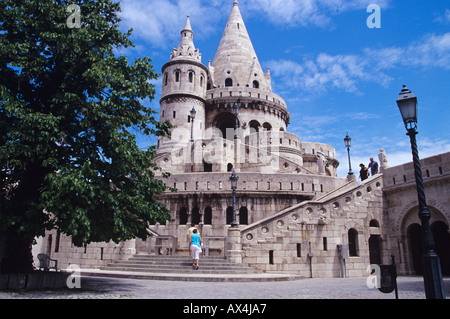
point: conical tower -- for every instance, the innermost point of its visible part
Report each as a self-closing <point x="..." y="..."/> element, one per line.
<point x="236" y="76"/>
<point x="183" y="89"/>
<point x="235" y="62"/>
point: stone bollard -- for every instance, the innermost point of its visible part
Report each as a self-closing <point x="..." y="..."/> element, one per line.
<point x="234" y="247"/>
<point x="128" y="249"/>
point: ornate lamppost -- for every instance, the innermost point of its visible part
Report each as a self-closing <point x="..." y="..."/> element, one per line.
<point x="234" y="180"/>
<point x="193" y="113"/>
<point x="432" y="274"/>
<point x="348" y="144"/>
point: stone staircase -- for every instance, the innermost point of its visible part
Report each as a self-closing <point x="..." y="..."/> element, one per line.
<point x="179" y="268"/>
<point x="179" y="264"/>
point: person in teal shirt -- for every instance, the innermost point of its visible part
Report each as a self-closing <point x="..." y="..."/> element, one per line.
<point x="195" y="247"/>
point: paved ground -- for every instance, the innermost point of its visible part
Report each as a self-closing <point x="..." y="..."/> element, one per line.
<point x="337" y="288"/>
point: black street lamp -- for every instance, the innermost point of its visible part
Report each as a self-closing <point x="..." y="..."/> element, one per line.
<point x="234" y="179"/>
<point x="236" y="114"/>
<point x="348" y="143"/>
<point x="432" y="275"/>
<point x="193" y="113"/>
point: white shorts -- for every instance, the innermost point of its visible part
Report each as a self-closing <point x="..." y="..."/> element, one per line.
<point x="195" y="251"/>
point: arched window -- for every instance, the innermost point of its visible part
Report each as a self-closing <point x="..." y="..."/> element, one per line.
<point x="243" y="216"/>
<point x="207" y="217"/>
<point x="374" y="223"/>
<point x="228" y="82"/>
<point x="191" y="77"/>
<point x="177" y="76"/>
<point x="229" y="167"/>
<point x="201" y="81"/>
<point x="353" y="242"/>
<point x="255" y="84"/>
<point x="165" y="79"/>
<point x="229" y="215"/>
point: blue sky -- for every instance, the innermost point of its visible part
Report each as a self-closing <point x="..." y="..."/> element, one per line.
<point x="336" y="74"/>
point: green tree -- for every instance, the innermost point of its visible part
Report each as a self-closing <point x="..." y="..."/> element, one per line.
<point x="69" y="105"/>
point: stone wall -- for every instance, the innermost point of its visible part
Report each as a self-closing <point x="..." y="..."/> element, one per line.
<point x="403" y="207"/>
<point x="284" y="242"/>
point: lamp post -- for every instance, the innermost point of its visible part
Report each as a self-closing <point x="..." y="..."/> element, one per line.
<point x="193" y="113"/>
<point x="432" y="275"/>
<point x="234" y="179"/>
<point x="236" y="114"/>
<point x="348" y="143"/>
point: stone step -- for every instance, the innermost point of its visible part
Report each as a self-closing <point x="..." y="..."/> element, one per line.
<point x="180" y="267"/>
<point x="178" y="264"/>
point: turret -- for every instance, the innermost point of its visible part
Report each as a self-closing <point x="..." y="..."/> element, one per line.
<point x="183" y="88"/>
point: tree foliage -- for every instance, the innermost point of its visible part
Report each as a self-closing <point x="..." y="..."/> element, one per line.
<point x="69" y="107"/>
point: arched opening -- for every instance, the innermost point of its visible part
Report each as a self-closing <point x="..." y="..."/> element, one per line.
<point x="191" y="77"/>
<point x="228" y="82"/>
<point x="353" y="242"/>
<point x="267" y="127"/>
<point x="207" y="216"/>
<point x="229" y="218"/>
<point x="374" y="223"/>
<point x="226" y="123"/>
<point x="207" y="167"/>
<point x="375" y="249"/>
<point x="195" y="216"/>
<point x="243" y="216"/>
<point x="255" y="84"/>
<point x="415" y="247"/>
<point x="254" y="126"/>
<point x="229" y="167"/>
<point x="441" y="237"/>
<point x="183" y="216"/>
<point x="177" y="76"/>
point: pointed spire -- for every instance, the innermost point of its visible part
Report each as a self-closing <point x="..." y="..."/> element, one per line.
<point x="186" y="48"/>
<point x="236" y="50"/>
<point x="187" y="26"/>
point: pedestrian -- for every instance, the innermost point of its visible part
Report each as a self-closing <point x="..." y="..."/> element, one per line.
<point x="364" y="172"/>
<point x="189" y="233"/>
<point x="195" y="247"/>
<point x="373" y="165"/>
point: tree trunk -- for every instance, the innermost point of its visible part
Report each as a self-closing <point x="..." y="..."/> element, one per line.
<point x="17" y="256"/>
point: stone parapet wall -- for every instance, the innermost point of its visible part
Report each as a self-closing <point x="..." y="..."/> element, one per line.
<point x="283" y="242"/>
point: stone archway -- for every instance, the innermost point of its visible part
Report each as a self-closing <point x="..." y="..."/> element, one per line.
<point x="226" y="123"/>
<point x="415" y="249"/>
<point x="375" y="249"/>
<point x="441" y="235"/>
<point x="411" y="230"/>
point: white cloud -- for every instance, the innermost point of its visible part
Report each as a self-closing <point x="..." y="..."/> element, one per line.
<point x="346" y="71"/>
<point x="159" y="22"/>
<point x="430" y="51"/>
<point x="292" y="13"/>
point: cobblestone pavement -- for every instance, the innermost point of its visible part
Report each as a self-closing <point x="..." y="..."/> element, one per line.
<point x="335" y="288"/>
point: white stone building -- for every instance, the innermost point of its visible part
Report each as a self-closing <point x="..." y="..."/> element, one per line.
<point x="292" y="209"/>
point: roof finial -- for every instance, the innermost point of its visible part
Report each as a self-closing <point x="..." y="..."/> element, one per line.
<point x="235" y="3"/>
<point x="187" y="26"/>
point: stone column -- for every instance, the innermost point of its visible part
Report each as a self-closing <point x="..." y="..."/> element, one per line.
<point x="234" y="246"/>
